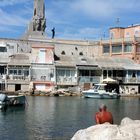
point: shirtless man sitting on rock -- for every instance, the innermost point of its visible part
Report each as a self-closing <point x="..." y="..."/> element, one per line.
<point x="103" y="115"/>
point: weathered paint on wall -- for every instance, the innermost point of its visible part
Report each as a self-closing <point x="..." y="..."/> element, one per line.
<point x="42" y="54"/>
<point x="43" y="87"/>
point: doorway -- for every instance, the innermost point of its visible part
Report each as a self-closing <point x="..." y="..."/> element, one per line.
<point x="139" y="89"/>
<point x="17" y="87"/>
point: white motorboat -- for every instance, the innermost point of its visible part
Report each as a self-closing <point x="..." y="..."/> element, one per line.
<point x="102" y="91"/>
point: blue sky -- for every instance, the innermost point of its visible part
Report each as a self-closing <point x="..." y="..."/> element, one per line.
<point x="73" y="19"/>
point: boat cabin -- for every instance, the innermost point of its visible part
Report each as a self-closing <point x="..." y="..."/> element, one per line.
<point x="109" y="87"/>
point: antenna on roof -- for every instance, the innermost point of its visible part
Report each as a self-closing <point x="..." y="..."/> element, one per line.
<point x="118" y="21"/>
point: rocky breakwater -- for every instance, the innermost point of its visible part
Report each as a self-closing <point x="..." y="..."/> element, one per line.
<point x="128" y="130"/>
<point x="58" y="92"/>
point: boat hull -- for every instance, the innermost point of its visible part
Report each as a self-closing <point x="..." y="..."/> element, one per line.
<point x="13" y="100"/>
<point x="101" y="96"/>
<point x="16" y="100"/>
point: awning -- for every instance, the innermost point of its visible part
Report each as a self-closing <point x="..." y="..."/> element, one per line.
<point x="109" y="80"/>
<point x="88" y="68"/>
<point x="111" y="68"/>
<point x="3" y="64"/>
<point x="132" y="67"/>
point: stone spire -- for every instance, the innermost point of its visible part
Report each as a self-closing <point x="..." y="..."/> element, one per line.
<point x="37" y="26"/>
<point x="39" y="21"/>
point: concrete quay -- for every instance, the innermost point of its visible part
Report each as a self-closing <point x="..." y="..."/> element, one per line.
<point x="130" y="95"/>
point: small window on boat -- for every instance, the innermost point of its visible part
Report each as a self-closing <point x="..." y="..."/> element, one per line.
<point x="102" y="88"/>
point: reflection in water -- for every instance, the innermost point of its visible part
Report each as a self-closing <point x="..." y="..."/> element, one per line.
<point x="59" y="117"/>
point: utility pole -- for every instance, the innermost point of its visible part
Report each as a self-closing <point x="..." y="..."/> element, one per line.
<point x="118" y="22"/>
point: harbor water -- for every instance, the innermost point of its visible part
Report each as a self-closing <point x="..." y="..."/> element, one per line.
<point x="58" y="118"/>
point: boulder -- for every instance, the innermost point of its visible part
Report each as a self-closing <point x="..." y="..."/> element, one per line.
<point x="128" y="130"/>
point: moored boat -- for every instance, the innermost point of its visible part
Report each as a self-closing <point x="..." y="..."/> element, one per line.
<point x="16" y="100"/>
<point x="102" y="91"/>
<point x="12" y="100"/>
<point x="3" y="101"/>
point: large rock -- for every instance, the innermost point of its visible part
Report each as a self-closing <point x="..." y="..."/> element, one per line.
<point x="128" y="130"/>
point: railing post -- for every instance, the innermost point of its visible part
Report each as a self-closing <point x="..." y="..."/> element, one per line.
<point x="127" y="76"/>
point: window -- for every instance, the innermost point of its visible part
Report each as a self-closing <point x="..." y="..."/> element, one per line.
<point x="136" y="33"/>
<point x="63" y="52"/>
<point x="19" y="72"/>
<point x="11" y="71"/>
<point x="81" y="53"/>
<point x="67" y="73"/>
<point x="116" y="48"/>
<point x="15" y="72"/>
<point x="127" y="34"/>
<point x="26" y="72"/>
<point x="3" y="49"/>
<point x="133" y="75"/>
<point x="43" y="78"/>
<point x="128" y="48"/>
<point x="42" y="56"/>
<point x="106" y="49"/>
<point x="111" y="35"/>
<point x="101" y="87"/>
<point x="138" y="48"/>
<point x="76" y="48"/>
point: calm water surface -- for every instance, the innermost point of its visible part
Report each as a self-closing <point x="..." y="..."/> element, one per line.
<point x="49" y="118"/>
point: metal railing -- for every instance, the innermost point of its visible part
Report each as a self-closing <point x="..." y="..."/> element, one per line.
<point x="126" y="79"/>
<point x="18" y="77"/>
<point x="66" y="80"/>
<point x="89" y="79"/>
<point x="42" y="78"/>
<point x="69" y="80"/>
<point x="132" y="80"/>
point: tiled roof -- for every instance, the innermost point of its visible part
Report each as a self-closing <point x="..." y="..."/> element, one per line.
<point x="101" y="62"/>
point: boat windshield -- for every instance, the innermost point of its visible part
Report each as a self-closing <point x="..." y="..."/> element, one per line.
<point x="96" y="86"/>
<point x="99" y="87"/>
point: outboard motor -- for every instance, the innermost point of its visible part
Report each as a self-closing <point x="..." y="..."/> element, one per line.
<point x="3" y="97"/>
<point x="3" y="101"/>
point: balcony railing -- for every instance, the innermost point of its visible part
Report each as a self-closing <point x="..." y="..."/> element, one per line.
<point x="66" y="80"/>
<point x="89" y="79"/>
<point x="98" y="79"/>
<point x="119" y="40"/>
<point x="18" y="78"/>
<point x="126" y="79"/>
<point x="42" y="78"/>
<point x="132" y="80"/>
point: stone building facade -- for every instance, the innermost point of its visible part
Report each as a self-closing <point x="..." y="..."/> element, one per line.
<point x="36" y="62"/>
